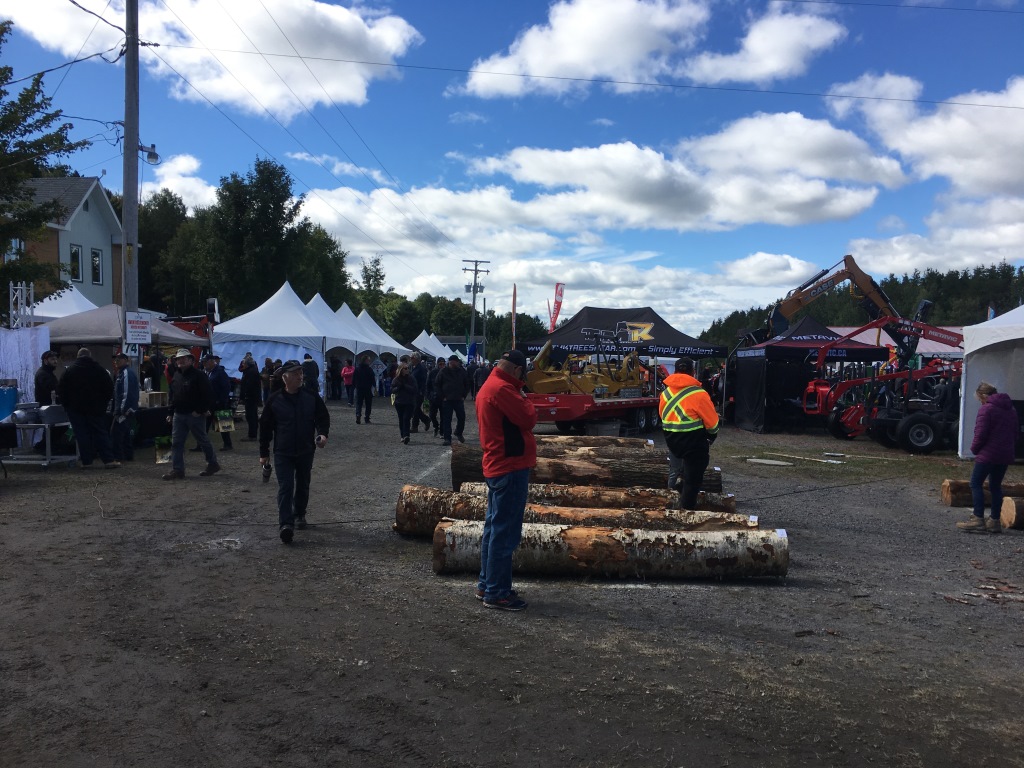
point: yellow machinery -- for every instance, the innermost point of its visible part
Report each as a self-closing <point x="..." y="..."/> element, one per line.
<point x="579" y="375"/>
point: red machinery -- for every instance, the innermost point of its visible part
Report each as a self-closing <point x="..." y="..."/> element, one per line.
<point x="904" y="407"/>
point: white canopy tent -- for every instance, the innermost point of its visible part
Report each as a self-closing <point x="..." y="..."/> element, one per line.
<point x="280" y="329"/>
<point x="387" y="344"/>
<point x="69" y="302"/>
<point x="448" y="351"/>
<point x="429" y="345"/>
<point x="339" y="333"/>
<point x="993" y="352"/>
<point x="103" y="325"/>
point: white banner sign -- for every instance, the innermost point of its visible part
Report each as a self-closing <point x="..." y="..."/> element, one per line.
<point x="138" y="328"/>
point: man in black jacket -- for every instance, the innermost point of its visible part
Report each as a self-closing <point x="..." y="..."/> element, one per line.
<point x="191" y="401"/>
<point x="250" y="391"/>
<point x="364" y="380"/>
<point x="296" y="419"/>
<point x="46" y="379"/>
<point x="419" y="375"/>
<point x="453" y="385"/>
<point x="85" y="390"/>
<point x="220" y="383"/>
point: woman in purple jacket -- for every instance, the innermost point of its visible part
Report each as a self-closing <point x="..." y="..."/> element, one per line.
<point x="995" y="438"/>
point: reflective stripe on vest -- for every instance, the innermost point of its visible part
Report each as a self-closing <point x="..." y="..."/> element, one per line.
<point x="673" y="417"/>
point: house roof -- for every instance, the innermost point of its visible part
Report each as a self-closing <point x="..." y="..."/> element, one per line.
<point x="70" y="192"/>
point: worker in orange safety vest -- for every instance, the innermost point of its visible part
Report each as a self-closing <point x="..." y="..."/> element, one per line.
<point x="690" y="424"/>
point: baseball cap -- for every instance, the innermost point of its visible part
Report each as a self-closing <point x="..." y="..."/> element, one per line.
<point x="121" y="355"/>
<point x="515" y="357"/>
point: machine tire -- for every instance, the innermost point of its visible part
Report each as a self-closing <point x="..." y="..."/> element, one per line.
<point x="919" y="433"/>
<point x="654" y="419"/>
<point x="885" y="434"/>
<point x="640" y="420"/>
<point x="563" y="427"/>
<point x="834" y="425"/>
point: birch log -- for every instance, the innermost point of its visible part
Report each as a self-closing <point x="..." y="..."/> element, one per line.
<point x="608" y="466"/>
<point x="595" y="441"/>
<point x="560" y="550"/>
<point x="957" y="493"/>
<point x="420" y="508"/>
<point x="1012" y="512"/>
<point x="600" y="497"/>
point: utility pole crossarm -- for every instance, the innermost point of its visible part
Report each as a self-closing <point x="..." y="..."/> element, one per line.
<point x="475" y="289"/>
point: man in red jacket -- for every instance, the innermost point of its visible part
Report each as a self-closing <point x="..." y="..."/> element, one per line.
<point x="506" y="420"/>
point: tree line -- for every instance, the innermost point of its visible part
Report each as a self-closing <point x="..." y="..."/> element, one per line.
<point x="958" y="297"/>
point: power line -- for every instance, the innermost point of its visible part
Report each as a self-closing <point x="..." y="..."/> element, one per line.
<point x="82" y="48"/>
<point x="611" y="81"/>
<point x="93" y="13"/>
<point x="909" y="7"/>
<point x="69" y="64"/>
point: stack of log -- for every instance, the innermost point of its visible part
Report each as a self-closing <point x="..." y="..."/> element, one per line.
<point x="957" y="493"/>
<point x="613" y="520"/>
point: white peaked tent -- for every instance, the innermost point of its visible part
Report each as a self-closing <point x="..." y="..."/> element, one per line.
<point x="69" y="302"/>
<point x="447" y="351"/>
<point x="387" y="344"/>
<point x="280" y="328"/>
<point x="339" y="333"/>
<point x="993" y="352"/>
<point x="429" y="345"/>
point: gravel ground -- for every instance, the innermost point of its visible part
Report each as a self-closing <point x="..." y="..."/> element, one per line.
<point x="151" y="624"/>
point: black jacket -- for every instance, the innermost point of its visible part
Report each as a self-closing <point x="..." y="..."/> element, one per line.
<point x="191" y="391"/>
<point x="293" y="422"/>
<point x="252" y="384"/>
<point x="221" y="385"/>
<point x="404" y="390"/>
<point x="453" y="383"/>
<point x="85" y="387"/>
<point x="46" y="384"/>
<point x="364" y="378"/>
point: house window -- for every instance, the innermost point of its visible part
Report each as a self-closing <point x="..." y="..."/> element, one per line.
<point x="14" y="251"/>
<point x="75" y="265"/>
<point x="97" y="266"/>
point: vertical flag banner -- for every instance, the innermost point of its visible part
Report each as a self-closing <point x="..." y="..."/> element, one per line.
<point x="559" y="287"/>
<point x="991" y="311"/>
<point x="513" y="315"/>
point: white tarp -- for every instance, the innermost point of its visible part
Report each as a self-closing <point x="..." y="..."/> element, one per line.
<point x="69" y="302"/>
<point x="993" y="352"/>
<point x="21" y="352"/>
<point x="339" y="333"/>
<point x="387" y="344"/>
<point x="104" y="325"/>
<point x="280" y="329"/>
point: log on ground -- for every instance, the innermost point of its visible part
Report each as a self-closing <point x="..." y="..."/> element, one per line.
<point x="558" y="550"/>
<point x="600" y="497"/>
<point x="596" y="441"/>
<point x="957" y="493"/>
<point x="1012" y="512"/>
<point x="619" y="468"/>
<point x="420" y="508"/>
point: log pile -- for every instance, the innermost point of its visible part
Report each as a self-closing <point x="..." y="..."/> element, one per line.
<point x="621" y="498"/>
<point x="1012" y="513"/>
<point x="612" y="465"/>
<point x="595" y="551"/>
<point x="957" y="493"/>
<point x="420" y="509"/>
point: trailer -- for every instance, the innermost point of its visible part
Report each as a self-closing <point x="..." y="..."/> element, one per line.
<point x="590" y="414"/>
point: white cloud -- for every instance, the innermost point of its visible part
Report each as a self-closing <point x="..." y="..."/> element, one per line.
<point x="775" y="270"/>
<point x="603" y="122"/>
<point x="777" y="46"/>
<point x="461" y="118"/>
<point x="178" y="173"/>
<point x="248" y="82"/>
<point x="339" y="167"/>
<point x="624" y="40"/>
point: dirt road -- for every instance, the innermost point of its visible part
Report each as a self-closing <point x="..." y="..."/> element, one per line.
<point x="151" y="624"/>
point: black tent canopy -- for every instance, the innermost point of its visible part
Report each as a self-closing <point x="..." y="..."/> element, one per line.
<point x="622" y="331"/>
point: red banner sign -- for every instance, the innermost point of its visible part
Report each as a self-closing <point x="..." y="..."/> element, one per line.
<point x="559" y="287"/>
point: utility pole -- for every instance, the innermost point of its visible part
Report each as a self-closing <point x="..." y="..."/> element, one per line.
<point x="130" y="204"/>
<point x="474" y="288"/>
<point x="484" y="353"/>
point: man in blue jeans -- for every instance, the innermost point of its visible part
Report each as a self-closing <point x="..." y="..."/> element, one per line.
<point x="192" y="402"/>
<point x="296" y="419"/>
<point x="506" y="420"/>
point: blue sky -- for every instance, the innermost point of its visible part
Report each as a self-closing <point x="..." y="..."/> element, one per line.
<point x="695" y="157"/>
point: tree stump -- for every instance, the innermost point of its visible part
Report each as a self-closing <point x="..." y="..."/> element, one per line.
<point x="607" y="466"/>
<point x="560" y="550"/>
<point x="420" y="508"/>
<point x="957" y="493"/>
<point x="601" y="497"/>
<point x="1012" y="513"/>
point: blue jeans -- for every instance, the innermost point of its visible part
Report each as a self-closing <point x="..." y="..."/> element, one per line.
<point x="92" y="436"/>
<point x="182" y="425"/>
<point x="448" y="407"/>
<point x="503" y="530"/>
<point x="404" y="418"/>
<point x="995" y="474"/>
<point x="293" y="474"/>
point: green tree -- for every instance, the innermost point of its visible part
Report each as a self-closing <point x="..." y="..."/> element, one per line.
<point x="371" y="286"/>
<point x="317" y="264"/>
<point x="400" y="318"/>
<point x="32" y="139"/>
<point x="450" y="317"/>
<point x="424" y="304"/>
<point x="160" y="217"/>
<point x="189" y="269"/>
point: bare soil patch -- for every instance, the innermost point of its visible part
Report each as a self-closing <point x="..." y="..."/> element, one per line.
<point x="155" y="624"/>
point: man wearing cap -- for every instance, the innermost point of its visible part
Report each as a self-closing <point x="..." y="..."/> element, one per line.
<point x="453" y="385"/>
<point x="126" y="403"/>
<point x="46" y="379"/>
<point x="221" y="386"/>
<point x="506" y="420"/>
<point x="84" y="391"/>
<point x="191" y="401"/>
<point x="690" y="424"/>
<point x="297" y="421"/>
